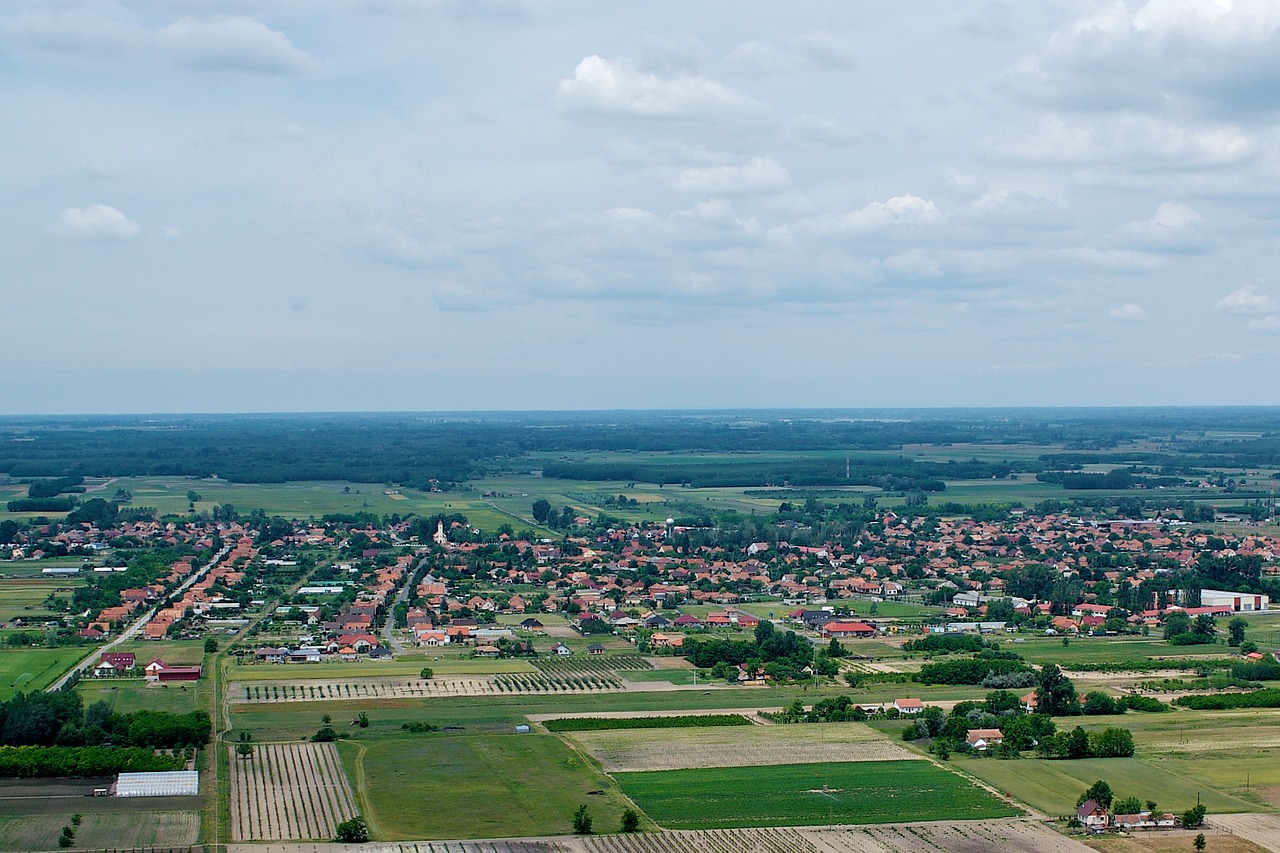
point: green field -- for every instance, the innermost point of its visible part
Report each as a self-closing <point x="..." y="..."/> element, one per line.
<point x="805" y="794"/>
<point x="120" y="830"/>
<point x="1053" y="786"/>
<point x="404" y="668"/>
<point x="24" y="670"/>
<point x="126" y="695"/>
<point x="1106" y="650"/>
<point x="497" y="786"/>
<point x="23" y="598"/>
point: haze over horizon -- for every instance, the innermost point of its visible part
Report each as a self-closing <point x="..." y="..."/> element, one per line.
<point x="507" y="205"/>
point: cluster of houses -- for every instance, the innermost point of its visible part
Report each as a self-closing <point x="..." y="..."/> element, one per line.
<point x="1095" y="818"/>
<point x="125" y="664"/>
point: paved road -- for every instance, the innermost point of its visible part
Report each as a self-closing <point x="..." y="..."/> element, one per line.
<point x="397" y="647"/>
<point x="136" y="627"/>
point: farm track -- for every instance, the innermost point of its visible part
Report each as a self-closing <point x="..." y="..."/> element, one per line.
<point x="289" y="791"/>
<point x="941" y="837"/>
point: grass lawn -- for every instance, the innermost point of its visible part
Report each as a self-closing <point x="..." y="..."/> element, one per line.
<point x="34" y="669"/>
<point x="804" y="794"/>
<point x="476" y="786"/>
<point x="126" y="695"/>
<point x="1053" y="786"/>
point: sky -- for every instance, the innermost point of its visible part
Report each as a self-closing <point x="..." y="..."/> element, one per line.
<point x="426" y="205"/>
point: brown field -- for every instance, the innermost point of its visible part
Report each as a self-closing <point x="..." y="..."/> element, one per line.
<point x="620" y="750"/>
<point x="319" y="690"/>
<point x="289" y="791"/>
<point x="943" y="837"/>
<point x="1261" y="829"/>
<point x="1174" y="841"/>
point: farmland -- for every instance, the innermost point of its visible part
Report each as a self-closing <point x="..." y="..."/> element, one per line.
<point x="288" y="791"/>
<point x="621" y="750"/>
<point x="35" y="668"/>
<point x="373" y="688"/>
<point x="101" y="830"/>
<point x="23" y="598"/>
<point x="536" y="779"/>
<point x="808" y="794"/>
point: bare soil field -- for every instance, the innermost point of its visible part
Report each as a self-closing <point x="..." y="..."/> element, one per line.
<point x="621" y="750"/>
<point x="319" y="690"/>
<point x="289" y="791"/>
<point x="1261" y="829"/>
<point x="1174" y="841"/>
<point x="943" y="837"/>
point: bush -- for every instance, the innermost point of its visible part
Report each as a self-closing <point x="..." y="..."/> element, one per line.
<point x="353" y="831"/>
<point x="630" y="820"/>
<point x="581" y="821"/>
<point x="325" y="735"/>
<point x="420" y="728"/>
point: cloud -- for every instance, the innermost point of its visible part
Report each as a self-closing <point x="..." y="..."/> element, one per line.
<point x="95" y="222"/>
<point x="823" y="131"/>
<point x="172" y="232"/>
<point x="791" y="56"/>
<point x="1269" y="324"/>
<point x="760" y="174"/>
<point x="232" y="44"/>
<point x="1128" y="312"/>
<point x="298" y="303"/>
<point x="393" y="245"/>
<point x="899" y="211"/>
<point x="615" y="86"/>
<point x="915" y="264"/>
<point x="1174" y="228"/>
<point x="1247" y="300"/>
<point x="1217" y="54"/>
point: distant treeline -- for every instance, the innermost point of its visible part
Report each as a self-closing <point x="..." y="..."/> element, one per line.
<point x="888" y="473"/>
<point x="412" y="450"/>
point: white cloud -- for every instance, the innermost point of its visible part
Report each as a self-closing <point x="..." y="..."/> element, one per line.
<point x="1128" y="312"/>
<point x="1174" y="228"/>
<point x="393" y="245"/>
<point x="899" y="211"/>
<point x="790" y="56"/>
<point x="824" y="131"/>
<point x="1247" y="300"/>
<point x="232" y="44"/>
<point x="171" y="232"/>
<point x="616" y="86"/>
<point x="760" y="174"/>
<point x="95" y="222"/>
<point x="915" y="264"/>
<point x="1269" y="324"/>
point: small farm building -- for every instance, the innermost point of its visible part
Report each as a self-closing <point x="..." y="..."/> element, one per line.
<point x="174" y="783"/>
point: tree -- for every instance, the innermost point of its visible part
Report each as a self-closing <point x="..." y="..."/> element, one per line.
<point x="1176" y="623"/>
<point x="427" y="673"/>
<point x="581" y="821"/>
<point x="1055" y="694"/>
<point x="1205" y="627"/>
<point x="1099" y="792"/>
<point x="1235" y="631"/>
<point x="1199" y="843"/>
<point x="1111" y="743"/>
<point x="1194" y="817"/>
<point x="244" y="749"/>
<point x="362" y="720"/>
<point x="210" y="646"/>
<point x="1128" y="805"/>
<point x="541" y="510"/>
<point x="630" y="821"/>
<point x="353" y="831"/>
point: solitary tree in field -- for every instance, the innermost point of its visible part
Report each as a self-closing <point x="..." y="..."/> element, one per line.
<point x="630" y="820"/>
<point x="1235" y="631"/>
<point x="581" y="821"/>
<point x="1199" y="843"/>
<point x="353" y="831"/>
<point x="244" y="749"/>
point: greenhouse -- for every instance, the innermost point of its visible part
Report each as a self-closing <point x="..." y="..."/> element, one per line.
<point x="176" y="783"/>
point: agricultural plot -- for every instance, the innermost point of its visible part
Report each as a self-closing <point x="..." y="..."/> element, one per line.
<point x="1053" y="786"/>
<point x="289" y="791"/>
<point x="24" y="670"/>
<point x="603" y="665"/>
<point x="809" y="795"/>
<point x="502" y="846"/>
<point x="628" y="750"/>
<point x="23" y="598"/>
<point x="119" y="830"/>
<point x="1261" y="829"/>
<point x="439" y="687"/>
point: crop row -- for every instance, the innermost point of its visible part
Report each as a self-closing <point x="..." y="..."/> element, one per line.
<point x="289" y="791"/>
<point x="475" y="847"/>
<point x="685" y="721"/>
<point x="602" y="664"/>
<point x="538" y="683"/>
<point x="714" y="841"/>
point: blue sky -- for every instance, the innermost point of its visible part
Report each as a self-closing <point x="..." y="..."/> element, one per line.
<point x="224" y="205"/>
